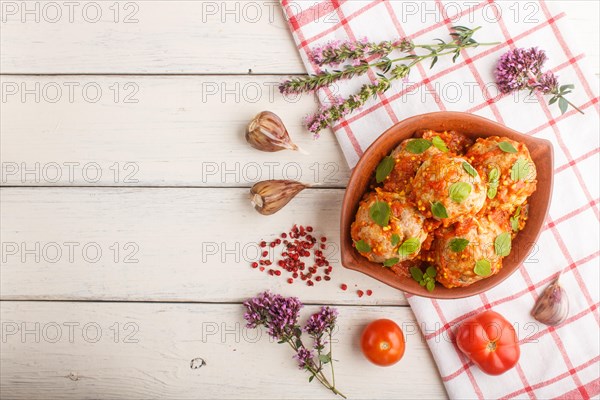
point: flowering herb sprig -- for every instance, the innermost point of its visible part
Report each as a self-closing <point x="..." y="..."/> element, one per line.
<point x="338" y="52"/>
<point x="521" y="69"/>
<point x="390" y="69"/>
<point x="280" y="316"/>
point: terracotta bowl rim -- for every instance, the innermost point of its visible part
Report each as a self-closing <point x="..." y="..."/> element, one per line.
<point x="372" y="151"/>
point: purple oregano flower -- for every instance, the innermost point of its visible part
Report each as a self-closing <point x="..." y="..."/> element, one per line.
<point x="521" y="69"/>
<point x="319" y="324"/>
<point x="304" y="357"/>
<point x="280" y="316"/>
<point x="277" y="313"/>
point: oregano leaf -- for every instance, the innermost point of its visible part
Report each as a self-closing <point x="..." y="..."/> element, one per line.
<point x="380" y="213"/>
<point x="409" y="246"/>
<point x="418" y="146"/>
<point x="458" y="244"/>
<point x="384" y="168"/>
<point x="502" y="244"/>
<point x="391" y="261"/>
<point x="439" y="144"/>
<point x="483" y="267"/>
<point x="362" y="246"/>
<point x="431" y="272"/>
<point x="416" y="274"/>
<point x="459" y="191"/>
<point x="507" y="147"/>
<point x="520" y="170"/>
<point x="469" y="168"/>
<point x="563" y="105"/>
<point x="430" y="285"/>
<point x="438" y="210"/>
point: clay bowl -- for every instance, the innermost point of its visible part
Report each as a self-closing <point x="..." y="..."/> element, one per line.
<point x="473" y="126"/>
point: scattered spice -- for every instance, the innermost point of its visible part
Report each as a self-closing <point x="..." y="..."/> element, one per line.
<point x="343" y="286"/>
<point x="296" y="249"/>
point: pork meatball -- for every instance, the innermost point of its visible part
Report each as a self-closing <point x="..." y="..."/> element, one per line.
<point x="448" y="188"/>
<point x="508" y="169"/>
<point x="400" y="220"/>
<point x="407" y="161"/>
<point x="456" y="142"/>
<point x="466" y="253"/>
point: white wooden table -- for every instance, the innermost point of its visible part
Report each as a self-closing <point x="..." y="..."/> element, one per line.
<point x="126" y="231"/>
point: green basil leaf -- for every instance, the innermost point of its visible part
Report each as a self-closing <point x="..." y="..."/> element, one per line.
<point x="493" y="178"/>
<point x="391" y="261"/>
<point x="438" y="210"/>
<point x="483" y="268"/>
<point x="384" y="168"/>
<point x="430" y="285"/>
<point x="409" y="246"/>
<point x="507" y="147"/>
<point x="395" y="239"/>
<point x="492" y="190"/>
<point x="418" y="146"/>
<point x="458" y="244"/>
<point x="517" y="212"/>
<point x="416" y="274"/>
<point x="362" y="246"/>
<point x="459" y="191"/>
<point x="514" y="223"/>
<point x="431" y="272"/>
<point x="439" y="144"/>
<point x="469" y="168"/>
<point x="494" y="175"/>
<point x="519" y="170"/>
<point x="502" y="244"/>
<point x="380" y="213"/>
<point x="514" y="220"/>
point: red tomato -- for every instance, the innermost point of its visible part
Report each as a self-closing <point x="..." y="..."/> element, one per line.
<point x="490" y="341"/>
<point x="382" y="342"/>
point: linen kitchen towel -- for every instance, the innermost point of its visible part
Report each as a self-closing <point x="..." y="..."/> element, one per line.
<point x="555" y="362"/>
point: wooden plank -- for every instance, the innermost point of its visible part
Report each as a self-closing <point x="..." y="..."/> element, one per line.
<point x="146" y="37"/>
<point x="126" y="351"/>
<point x="189" y="36"/>
<point x="154" y="131"/>
<point x="162" y="245"/>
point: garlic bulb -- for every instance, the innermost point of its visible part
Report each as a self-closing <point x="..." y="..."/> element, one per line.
<point x="552" y="307"/>
<point x="268" y="197"/>
<point x="266" y="132"/>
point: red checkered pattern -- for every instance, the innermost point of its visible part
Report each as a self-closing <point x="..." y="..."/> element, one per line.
<point x="561" y="361"/>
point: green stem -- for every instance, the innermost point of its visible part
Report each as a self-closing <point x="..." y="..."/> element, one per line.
<point x="331" y="360"/>
<point x="319" y="375"/>
<point x="423" y="57"/>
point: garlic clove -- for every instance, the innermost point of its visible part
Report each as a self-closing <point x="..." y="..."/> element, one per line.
<point x="266" y="132"/>
<point x="268" y="197"/>
<point x="552" y="307"/>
